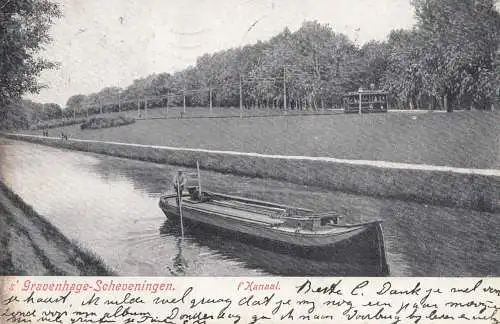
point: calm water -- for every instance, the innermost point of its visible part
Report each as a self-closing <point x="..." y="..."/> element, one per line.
<point x="110" y="205"/>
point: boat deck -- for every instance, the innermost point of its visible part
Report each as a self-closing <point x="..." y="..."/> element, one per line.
<point x="272" y="216"/>
<point x="235" y="209"/>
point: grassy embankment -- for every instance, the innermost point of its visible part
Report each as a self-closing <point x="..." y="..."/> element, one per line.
<point x="30" y="245"/>
<point x="466" y="139"/>
<point x="462" y="139"/>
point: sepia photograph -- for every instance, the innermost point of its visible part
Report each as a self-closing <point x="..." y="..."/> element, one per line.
<point x="248" y="138"/>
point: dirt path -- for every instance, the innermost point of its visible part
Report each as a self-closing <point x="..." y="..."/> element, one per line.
<point x="30" y="245"/>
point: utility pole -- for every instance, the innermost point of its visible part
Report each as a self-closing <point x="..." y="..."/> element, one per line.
<point x="241" y="99"/>
<point x="284" y="89"/>
<point x="146" y="108"/>
<point x="360" y="97"/>
<point x="138" y="108"/>
<point x="210" y="88"/>
<point x="184" y="100"/>
<point x="119" y="103"/>
<point x="167" y="102"/>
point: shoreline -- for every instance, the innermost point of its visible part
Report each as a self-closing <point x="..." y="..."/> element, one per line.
<point x="442" y="186"/>
<point x="31" y="245"/>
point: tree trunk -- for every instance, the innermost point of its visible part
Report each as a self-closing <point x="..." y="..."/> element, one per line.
<point x="449" y="108"/>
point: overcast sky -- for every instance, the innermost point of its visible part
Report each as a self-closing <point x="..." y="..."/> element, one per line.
<point x="109" y="43"/>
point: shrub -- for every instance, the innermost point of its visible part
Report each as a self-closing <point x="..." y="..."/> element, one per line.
<point x="105" y="122"/>
<point x="56" y="123"/>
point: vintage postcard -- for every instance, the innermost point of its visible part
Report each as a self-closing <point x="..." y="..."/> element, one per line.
<point x="249" y="161"/>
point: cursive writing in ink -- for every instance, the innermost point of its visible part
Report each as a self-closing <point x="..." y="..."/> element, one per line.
<point x="306" y="287"/>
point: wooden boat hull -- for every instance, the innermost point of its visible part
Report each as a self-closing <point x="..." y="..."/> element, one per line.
<point x="360" y="244"/>
<point x="254" y="254"/>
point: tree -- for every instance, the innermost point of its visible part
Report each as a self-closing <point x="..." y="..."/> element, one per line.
<point x="36" y="112"/>
<point x="461" y="38"/>
<point x="24" y="31"/>
<point x="52" y="111"/>
<point x="13" y="116"/>
<point x="403" y="75"/>
<point x="374" y="62"/>
<point x="108" y="99"/>
<point x="75" y="105"/>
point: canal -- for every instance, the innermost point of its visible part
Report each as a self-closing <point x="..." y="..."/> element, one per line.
<point x="110" y="205"/>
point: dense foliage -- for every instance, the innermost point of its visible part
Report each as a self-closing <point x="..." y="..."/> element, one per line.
<point x="57" y="123"/>
<point x="23" y="114"/>
<point x="450" y="58"/>
<point x="24" y="30"/>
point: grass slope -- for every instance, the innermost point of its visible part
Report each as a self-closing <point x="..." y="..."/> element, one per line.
<point x="30" y="245"/>
<point x="460" y="139"/>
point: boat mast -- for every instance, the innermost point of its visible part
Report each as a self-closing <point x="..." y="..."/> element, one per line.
<point x="199" y="177"/>
<point x="179" y="197"/>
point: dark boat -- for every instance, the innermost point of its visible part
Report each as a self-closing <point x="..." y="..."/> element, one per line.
<point x="253" y="255"/>
<point x="292" y="231"/>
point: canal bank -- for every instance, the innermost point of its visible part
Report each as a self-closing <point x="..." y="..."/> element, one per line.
<point x="111" y="205"/>
<point x="30" y="245"/>
<point x="477" y="189"/>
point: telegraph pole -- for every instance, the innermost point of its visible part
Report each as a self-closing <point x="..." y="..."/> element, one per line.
<point x="168" y="97"/>
<point x="360" y="97"/>
<point x="138" y="108"/>
<point x="210" y="86"/>
<point x="241" y="99"/>
<point x="284" y="88"/>
<point x="184" y="100"/>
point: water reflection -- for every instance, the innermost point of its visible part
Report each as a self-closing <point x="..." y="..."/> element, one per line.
<point x="256" y="257"/>
<point x="179" y="262"/>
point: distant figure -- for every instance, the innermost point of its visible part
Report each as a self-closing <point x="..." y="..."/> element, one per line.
<point x="179" y="184"/>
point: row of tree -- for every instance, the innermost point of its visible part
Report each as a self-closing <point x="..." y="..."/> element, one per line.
<point x="24" y="26"/>
<point x="25" y="113"/>
<point x="450" y="58"/>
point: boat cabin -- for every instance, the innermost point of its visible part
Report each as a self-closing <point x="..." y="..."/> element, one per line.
<point x="310" y="223"/>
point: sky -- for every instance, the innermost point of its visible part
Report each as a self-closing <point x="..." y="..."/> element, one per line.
<point x="110" y="43"/>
